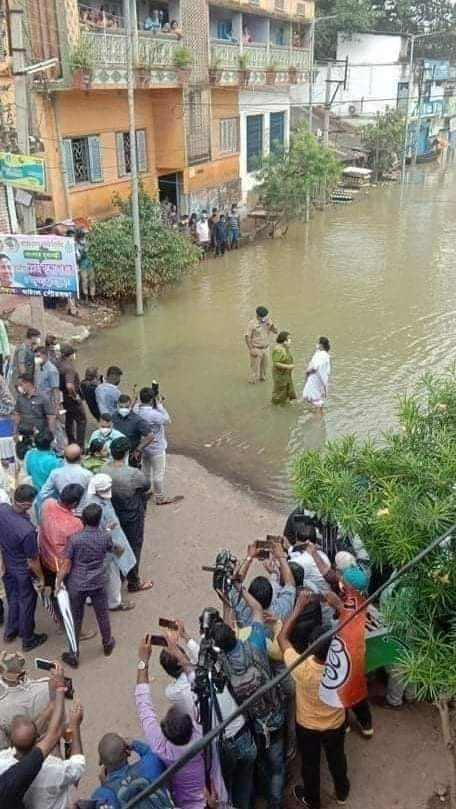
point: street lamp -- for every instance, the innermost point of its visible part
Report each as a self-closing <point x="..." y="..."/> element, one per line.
<point x="412" y="38"/>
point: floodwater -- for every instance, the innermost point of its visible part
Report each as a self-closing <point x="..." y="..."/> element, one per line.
<point x="378" y="277"/>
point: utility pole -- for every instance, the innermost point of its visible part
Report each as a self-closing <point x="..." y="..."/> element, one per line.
<point x="377" y="147"/>
<point x="16" y="19"/>
<point x="420" y="112"/>
<point x="310" y="119"/>
<point x="133" y="158"/>
<point x="327" y="107"/>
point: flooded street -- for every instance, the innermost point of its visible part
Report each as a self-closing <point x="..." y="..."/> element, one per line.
<point x="377" y="277"/>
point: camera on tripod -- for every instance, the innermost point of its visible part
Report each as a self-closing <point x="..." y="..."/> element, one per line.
<point x="224" y="576"/>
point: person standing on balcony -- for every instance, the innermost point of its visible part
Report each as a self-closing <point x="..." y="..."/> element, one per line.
<point x="246" y="36"/>
<point x="152" y="22"/>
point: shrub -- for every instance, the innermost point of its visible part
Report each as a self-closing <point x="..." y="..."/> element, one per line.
<point x="166" y="255"/>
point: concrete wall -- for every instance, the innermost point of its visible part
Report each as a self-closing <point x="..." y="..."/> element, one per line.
<point x="371" y="48"/>
<point x="259" y="103"/>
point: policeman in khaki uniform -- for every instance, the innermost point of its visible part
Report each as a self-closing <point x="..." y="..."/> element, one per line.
<point x="18" y="694"/>
<point x="258" y="339"/>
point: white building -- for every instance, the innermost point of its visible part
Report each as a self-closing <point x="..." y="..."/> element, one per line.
<point x="264" y="119"/>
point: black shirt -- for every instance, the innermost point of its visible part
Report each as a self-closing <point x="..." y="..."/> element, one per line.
<point x="132" y="426"/>
<point x="88" y="388"/>
<point x="15" y="782"/>
<point x="32" y="411"/>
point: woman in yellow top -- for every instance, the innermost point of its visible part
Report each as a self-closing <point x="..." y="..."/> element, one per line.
<point x="282" y="369"/>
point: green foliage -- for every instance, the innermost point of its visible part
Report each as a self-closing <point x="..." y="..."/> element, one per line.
<point x="287" y="177"/>
<point x="182" y="57"/>
<point x="352" y="15"/>
<point x="398" y="495"/>
<point x="166" y="255"/>
<point x="81" y="56"/>
<point x="384" y="140"/>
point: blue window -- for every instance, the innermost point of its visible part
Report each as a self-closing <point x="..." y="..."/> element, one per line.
<point x="276" y="130"/>
<point x="224" y="29"/>
<point x="254" y="141"/>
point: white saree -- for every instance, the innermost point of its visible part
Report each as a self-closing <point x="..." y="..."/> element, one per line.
<point x="316" y="387"/>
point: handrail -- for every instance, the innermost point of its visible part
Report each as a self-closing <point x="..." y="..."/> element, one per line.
<point x="199" y="746"/>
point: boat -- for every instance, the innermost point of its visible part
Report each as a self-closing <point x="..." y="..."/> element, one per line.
<point x="426" y="157"/>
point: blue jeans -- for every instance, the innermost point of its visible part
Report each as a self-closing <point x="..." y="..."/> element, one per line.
<point x="272" y="761"/>
<point x="237" y="759"/>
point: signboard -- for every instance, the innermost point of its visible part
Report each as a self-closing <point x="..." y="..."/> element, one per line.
<point x="38" y="265"/>
<point x="23" y="171"/>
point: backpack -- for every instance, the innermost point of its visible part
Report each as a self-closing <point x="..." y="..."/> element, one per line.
<point x="128" y="786"/>
<point x="245" y="677"/>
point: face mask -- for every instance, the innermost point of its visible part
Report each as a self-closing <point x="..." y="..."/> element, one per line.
<point x="264" y="319"/>
<point x="123" y="411"/>
<point x="38" y="361"/>
<point x="57" y="347"/>
<point x="106" y="430"/>
<point x="20" y="389"/>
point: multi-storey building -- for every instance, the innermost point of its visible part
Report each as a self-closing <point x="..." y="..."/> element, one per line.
<point x="212" y="95"/>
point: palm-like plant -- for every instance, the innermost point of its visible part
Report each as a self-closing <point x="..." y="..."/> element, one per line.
<point x="398" y="494"/>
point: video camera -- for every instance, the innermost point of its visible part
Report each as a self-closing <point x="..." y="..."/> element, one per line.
<point x="224" y="576"/>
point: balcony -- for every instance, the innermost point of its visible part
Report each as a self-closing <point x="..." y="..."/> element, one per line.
<point x="437" y="107"/>
<point x="262" y="64"/>
<point x="155" y="59"/>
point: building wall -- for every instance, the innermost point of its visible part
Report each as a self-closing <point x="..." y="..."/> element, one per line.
<point x="105" y="114"/>
<point x="373" y="48"/>
<point x="259" y="103"/>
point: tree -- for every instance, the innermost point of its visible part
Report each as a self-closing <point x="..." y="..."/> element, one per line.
<point x="398" y="495"/>
<point x="384" y="140"/>
<point x="287" y="177"/>
<point x="166" y="255"/>
<point x="351" y="16"/>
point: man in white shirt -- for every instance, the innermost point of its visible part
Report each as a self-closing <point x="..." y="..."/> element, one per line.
<point x="51" y="788"/>
<point x="202" y="232"/>
<point x="238" y="750"/>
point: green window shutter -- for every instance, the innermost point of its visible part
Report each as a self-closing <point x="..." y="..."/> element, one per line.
<point x="96" y="168"/>
<point x="121" y="167"/>
<point x="141" y="150"/>
<point x="68" y="161"/>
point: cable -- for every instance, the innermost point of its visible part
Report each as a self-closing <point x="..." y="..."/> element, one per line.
<point x="199" y="746"/>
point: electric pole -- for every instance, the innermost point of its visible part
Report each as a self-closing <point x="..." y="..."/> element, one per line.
<point x="327" y="108"/>
<point x="133" y="159"/>
<point x="16" y="18"/>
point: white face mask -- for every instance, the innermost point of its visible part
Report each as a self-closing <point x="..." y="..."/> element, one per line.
<point x="57" y="347"/>
<point x="38" y="360"/>
<point x="20" y="389"/>
<point x="106" y="430"/>
<point x="123" y="411"/>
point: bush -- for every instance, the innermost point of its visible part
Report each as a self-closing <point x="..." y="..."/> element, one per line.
<point x="166" y="255"/>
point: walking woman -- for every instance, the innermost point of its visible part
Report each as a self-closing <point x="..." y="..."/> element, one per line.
<point x="282" y="370"/>
<point x="317" y="375"/>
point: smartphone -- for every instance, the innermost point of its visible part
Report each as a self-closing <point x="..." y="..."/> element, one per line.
<point x="158" y="640"/>
<point x="263" y="554"/>
<point x="43" y="664"/>
<point x="272" y="538"/>
<point x="166" y="623"/>
<point x="69" y="690"/>
<point x="263" y="544"/>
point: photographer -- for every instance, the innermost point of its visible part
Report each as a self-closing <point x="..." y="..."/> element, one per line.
<point x="277" y="598"/>
<point x="153" y="462"/>
<point x="246" y="666"/>
<point x="237" y="749"/>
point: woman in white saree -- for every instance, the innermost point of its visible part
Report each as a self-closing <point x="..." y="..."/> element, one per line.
<point x="317" y="375"/>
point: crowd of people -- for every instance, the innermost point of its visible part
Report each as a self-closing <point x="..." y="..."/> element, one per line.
<point x="214" y="234"/>
<point x="93" y="18"/>
<point x="72" y="516"/>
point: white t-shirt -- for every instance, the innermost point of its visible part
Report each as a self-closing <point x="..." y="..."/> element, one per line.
<point x="312" y="574"/>
<point x="202" y="230"/>
<point x="51" y="787"/>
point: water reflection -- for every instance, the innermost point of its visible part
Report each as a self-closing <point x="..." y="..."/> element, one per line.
<point x="377" y="277"/>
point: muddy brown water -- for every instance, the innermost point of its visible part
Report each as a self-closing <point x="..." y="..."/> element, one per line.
<point x="378" y="277"/>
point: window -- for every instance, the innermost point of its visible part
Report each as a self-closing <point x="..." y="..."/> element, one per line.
<point x="229" y="135"/>
<point x="224" y="29"/>
<point x="276" y="130"/>
<point x="124" y="154"/>
<point x="82" y="157"/>
<point x="402" y="96"/>
<point x="254" y="141"/>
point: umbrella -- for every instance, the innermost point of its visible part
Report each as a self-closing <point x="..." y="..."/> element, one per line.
<point x="63" y="601"/>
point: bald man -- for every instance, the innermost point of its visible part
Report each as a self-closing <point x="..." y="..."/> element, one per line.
<point x="52" y="786"/>
<point x="114" y="753"/>
<point x="70" y="472"/>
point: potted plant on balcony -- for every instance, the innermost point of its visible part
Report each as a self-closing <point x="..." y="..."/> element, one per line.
<point x="215" y="71"/>
<point x="293" y="75"/>
<point x="271" y="74"/>
<point x="81" y="64"/>
<point x="182" y="63"/>
<point x="244" y="72"/>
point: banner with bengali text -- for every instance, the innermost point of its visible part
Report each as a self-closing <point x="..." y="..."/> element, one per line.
<point x="38" y="265"/>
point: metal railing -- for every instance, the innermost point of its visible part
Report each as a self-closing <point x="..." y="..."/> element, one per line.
<point x="202" y="743"/>
<point x="111" y="48"/>
<point x="260" y="55"/>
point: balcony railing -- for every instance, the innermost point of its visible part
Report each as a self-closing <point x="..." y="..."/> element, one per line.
<point x="437" y="107"/>
<point x="111" y="49"/>
<point x="259" y="56"/>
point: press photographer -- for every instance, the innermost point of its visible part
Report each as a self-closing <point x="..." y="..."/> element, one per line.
<point x="200" y="686"/>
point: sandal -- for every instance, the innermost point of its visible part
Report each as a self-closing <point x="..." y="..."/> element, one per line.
<point x="142" y="587"/>
<point x="124" y="606"/>
<point x="166" y="501"/>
